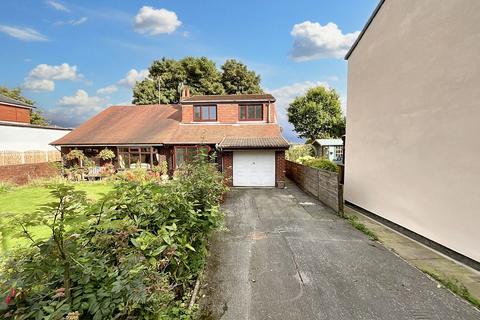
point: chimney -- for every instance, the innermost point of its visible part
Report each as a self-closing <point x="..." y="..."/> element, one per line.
<point x="185" y="93"/>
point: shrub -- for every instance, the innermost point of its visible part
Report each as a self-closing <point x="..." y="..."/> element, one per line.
<point x="319" y="163"/>
<point x="298" y="151"/>
<point x="136" y="255"/>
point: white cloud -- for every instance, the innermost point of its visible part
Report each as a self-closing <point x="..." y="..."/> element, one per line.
<point x="132" y="77"/>
<point x="39" y="84"/>
<point x="284" y="96"/>
<point x="24" y="34"/>
<point x="313" y="41"/>
<point x="72" y="22"/>
<point x="153" y="21"/>
<point x="76" y="109"/>
<point x="42" y="77"/>
<point x="57" y="5"/>
<point x="107" y="90"/>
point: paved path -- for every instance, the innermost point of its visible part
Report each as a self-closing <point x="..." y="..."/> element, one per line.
<point x="286" y="256"/>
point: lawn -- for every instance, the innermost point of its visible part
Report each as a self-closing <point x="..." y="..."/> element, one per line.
<point x="28" y="199"/>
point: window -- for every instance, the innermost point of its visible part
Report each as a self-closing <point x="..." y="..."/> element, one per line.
<point x="205" y="113"/>
<point x="130" y="157"/>
<point x="339" y="153"/>
<point x="251" y="112"/>
<point x="186" y="154"/>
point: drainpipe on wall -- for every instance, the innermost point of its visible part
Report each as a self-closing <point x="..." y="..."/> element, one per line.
<point x="268" y="112"/>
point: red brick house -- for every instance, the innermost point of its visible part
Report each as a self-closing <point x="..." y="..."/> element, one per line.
<point x="12" y="110"/>
<point x="241" y="129"/>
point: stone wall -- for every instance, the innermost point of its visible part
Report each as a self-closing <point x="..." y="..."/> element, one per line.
<point x="23" y="173"/>
<point x="322" y="184"/>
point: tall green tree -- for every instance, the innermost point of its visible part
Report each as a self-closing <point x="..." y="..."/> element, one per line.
<point x="199" y="74"/>
<point x="36" y="116"/>
<point x="236" y="78"/>
<point x="317" y="114"/>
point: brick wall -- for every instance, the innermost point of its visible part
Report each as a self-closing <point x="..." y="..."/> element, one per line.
<point x="227" y="113"/>
<point x="322" y="184"/>
<point x="14" y="114"/>
<point x="280" y="169"/>
<point x="23" y="173"/>
<point x="227" y="167"/>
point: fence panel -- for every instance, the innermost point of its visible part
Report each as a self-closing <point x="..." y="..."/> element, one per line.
<point x="26" y="157"/>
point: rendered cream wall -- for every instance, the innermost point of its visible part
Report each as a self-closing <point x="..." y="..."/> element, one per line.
<point x="413" y="124"/>
<point x="16" y="138"/>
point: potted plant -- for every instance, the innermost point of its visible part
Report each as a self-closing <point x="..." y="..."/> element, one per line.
<point x="106" y="155"/>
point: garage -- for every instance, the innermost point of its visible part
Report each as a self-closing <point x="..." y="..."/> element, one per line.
<point x="254" y="168"/>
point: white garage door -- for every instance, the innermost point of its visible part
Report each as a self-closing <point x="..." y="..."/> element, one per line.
<point x="254" y="168"/>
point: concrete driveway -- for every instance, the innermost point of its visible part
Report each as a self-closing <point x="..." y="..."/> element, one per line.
<point x="286" y="256"/>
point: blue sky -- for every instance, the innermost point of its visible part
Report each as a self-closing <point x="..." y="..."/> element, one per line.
<point x="75" y="58"/>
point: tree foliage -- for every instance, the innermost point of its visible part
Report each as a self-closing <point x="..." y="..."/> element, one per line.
<point x="236" y="78"/>
<point x="36" y="116"/>
<point x="199" y="74"/>
<point x="317" y="114"/>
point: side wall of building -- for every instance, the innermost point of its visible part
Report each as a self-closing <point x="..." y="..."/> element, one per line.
<point x="27" y="138"/>
<point x="413" y="125"/>
<point x="14" y="114"/>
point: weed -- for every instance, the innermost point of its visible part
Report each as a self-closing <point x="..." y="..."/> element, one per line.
<point x="361" y="227"/>
<point x="455" y="286"/>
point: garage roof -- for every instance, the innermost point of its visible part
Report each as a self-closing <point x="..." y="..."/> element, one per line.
<point x="253" y="142"/>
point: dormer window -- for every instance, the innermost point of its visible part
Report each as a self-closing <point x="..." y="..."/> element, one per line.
<point x="251" y="112"/>
<point x="205" y="113"/>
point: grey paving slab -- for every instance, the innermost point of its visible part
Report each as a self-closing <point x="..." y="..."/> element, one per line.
<point x="286" y="256"/>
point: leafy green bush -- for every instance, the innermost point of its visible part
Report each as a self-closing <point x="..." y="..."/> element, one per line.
<point x="319" y="163"/>
<point x="136" y="256"/>
<point x="298" y="151"/>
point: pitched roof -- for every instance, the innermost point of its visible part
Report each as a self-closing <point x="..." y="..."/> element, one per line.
<point x="377" y="8"/>
<point x="229" y="98"/>
<point x="126" y="125"/>
<point x="258" y="142"/>
<point x="14" y="102"/>
<point x="157" y="124"/>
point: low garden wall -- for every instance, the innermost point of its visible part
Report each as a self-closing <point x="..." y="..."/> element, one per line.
<point x="23" y="173"/>
<point x="323" y="185"/>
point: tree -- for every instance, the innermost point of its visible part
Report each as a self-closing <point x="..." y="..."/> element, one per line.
<point x="36" y="116"/>
<point x="317" y="114"/>
<point x="199" y="74"/>
<point x="236" y="78"/>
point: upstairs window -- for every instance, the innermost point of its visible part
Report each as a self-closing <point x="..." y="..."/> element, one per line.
<point x="205" y="113"/>
<point x="253" y="112"/>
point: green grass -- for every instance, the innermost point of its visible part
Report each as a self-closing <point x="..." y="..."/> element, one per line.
<point x="361" y="227"/>
<point x="456" y="287"/>
<point x="27" y="199"/>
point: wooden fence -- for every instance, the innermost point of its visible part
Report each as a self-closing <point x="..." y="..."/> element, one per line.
<point x="26" y="157"/>
<point x="322" y="184"/>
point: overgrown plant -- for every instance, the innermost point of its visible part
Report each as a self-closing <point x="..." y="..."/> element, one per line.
<point x="136" y="255"/>
<point x="319" y="163"/>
